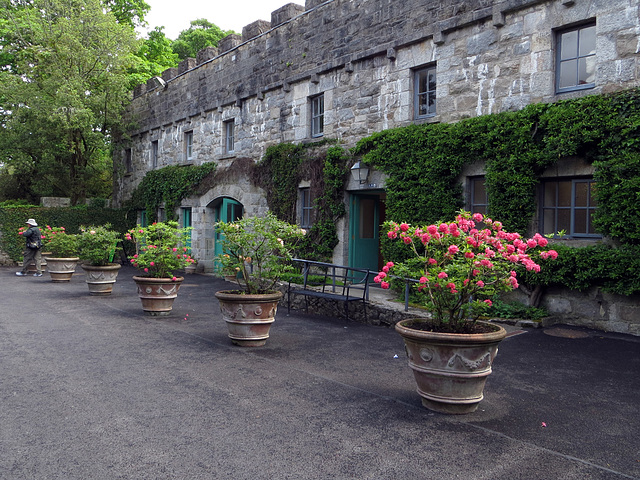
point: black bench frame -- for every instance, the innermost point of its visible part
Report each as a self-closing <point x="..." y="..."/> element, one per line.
<point x="338" y="282"/>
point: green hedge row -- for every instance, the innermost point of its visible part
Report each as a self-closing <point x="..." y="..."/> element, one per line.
<point x="71" y="218"/>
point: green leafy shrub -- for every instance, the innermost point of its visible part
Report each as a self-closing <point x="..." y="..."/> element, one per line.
<point x="97" y="244"/>
<point x="59" y="243"/>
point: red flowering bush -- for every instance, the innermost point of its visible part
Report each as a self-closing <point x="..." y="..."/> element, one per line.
<point x="160" y="249"/>
<point x="458" y="266"/>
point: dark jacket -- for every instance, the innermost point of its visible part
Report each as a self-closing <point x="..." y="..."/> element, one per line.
<point x="32" y="234"/>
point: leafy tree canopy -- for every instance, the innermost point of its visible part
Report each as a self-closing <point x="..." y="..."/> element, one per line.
<point x="199" y="35"/>
<point x="63" y="87"/>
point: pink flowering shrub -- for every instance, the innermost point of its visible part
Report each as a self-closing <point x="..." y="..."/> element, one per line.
<point x="160" y="249"/>
<point x="458" y="266"/>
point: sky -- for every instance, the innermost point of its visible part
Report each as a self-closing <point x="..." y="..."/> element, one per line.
<point x="176" y="15"/>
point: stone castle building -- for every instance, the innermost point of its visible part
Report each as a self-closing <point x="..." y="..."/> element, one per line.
<point x="344" y="69"/>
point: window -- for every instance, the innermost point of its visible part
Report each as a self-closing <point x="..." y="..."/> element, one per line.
<point x="188" y="146"/>
<point x="576" y="58"/>
<point x="154" y="154"/>
<point x="478" y="195"/>
<point x="317" y="116"/>
<point x="229" y="136"/>
<point x="425" y="92"/>
<point x="128" y="167"/>
<point x="306" y="208"/>
<point x="569" y="205"/>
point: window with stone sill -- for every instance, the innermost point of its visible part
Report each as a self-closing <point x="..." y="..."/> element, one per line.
<point x="479" y="200"/>
<point x="576" y="58"/>
<point x="424" y="82"/>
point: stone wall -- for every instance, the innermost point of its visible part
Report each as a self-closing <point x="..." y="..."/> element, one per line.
<point x="490" y="56"/>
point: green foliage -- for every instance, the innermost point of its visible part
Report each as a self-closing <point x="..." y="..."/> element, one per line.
<point x="154" y="57"/>
<point x="615" y="270"/>
<point x="62" y="93"/>
<point x="168" y="186"/>
<point x="160" y="249"/>
<point x="259" y="249"/>
<point x="280" y="172"/>
<point x="424" y="162"/>
<point x="199" y="35"/>
<point x="97" y="244"/>
<point x="60" y="243"/>
<point x="13" y="218"/>
<point x="501" y="309"/>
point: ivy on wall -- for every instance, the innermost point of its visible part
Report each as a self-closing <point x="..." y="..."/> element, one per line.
<point x="424" y="164"/>
<point x="280" y="172"/>
<point x="168" y="186"/>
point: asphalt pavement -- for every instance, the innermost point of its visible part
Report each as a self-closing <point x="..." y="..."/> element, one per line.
<point x="91" y="388"/>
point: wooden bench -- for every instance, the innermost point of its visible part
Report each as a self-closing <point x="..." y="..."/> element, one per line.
<point x="331" y="282"/>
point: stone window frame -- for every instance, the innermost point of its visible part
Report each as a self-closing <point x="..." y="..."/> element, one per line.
<point x="571" y="207"/>
<point x="430" y="93"/>
<point x="566" y="59"/>
<point x="229" y="136"/>
<point x="154" y="154"/>
<point x="188" y="146"/>
<point x="316" y="104"/>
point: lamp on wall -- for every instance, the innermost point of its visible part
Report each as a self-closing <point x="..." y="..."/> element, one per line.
<point x="360" y="172"/>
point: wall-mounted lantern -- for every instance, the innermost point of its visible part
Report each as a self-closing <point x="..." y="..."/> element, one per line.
<point x="360" y="172"/>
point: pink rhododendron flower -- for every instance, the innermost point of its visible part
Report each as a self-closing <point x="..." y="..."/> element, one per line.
<point x="432" y="261"/>
<point x="152" y="263"/>
<point x="384" y="285"/>
<point x="146" y="269"/>
<point x="407" y="240"/>
<point x="404" y="227"/>
<point x="469" y="254"/>
<point x="423" y="280"/>
<point x="385" y="269"/>
<point x="432" y="229"/>
<point x="392" y="234"/>
<point x="442" y="275"/>
<point x="453" y="249"/>
<point x="443" y="228"/>
<point x="488" y="302"/>
<point x="480" y="283"/>
<point x="174" y="279"/>
<point x="477" y="217"/>
<point x="390" y="264"/>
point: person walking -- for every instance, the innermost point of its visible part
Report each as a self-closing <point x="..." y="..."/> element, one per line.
<point x="33" y="239"/>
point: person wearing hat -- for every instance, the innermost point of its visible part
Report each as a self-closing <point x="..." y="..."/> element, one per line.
<point x="33" y="240"/>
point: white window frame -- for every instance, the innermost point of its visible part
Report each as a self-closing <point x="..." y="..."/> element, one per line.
<point x="429" y="93"/>
<point x="188" y="145"/>
<point x="317" y="115"/>
<point x="567" y="59"/>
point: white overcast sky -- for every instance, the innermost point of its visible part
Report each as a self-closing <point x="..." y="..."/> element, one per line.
<point x="176" y="15"/>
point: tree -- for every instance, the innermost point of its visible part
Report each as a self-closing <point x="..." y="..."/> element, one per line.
<point x="154" y="57"/>
<point x="199" y="35"/>
<point x="128" y="12"/>
<point x="63" y="88"/>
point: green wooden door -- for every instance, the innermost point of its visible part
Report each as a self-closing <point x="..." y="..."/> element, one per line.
<point x="364" y="231"/>
<point x="227" y="210"/>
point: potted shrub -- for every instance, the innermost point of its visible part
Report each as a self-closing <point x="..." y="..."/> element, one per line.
<point x="456" y="267"/>
<point x="63" y="257"/>
<point x="97" y="245"/>
<point x="160" y="252"/>
<point x="257" y="252"/>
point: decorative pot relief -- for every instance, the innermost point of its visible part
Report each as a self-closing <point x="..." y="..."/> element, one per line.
<point x="483" y="362"/>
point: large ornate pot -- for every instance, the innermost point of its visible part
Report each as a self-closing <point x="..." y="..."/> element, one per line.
<point x="100" y="279"/>
<point x="450" y="368"/>
<point x="61" y="269"/>
<point x="248" y="317"/>
<point x="157" y="294"/>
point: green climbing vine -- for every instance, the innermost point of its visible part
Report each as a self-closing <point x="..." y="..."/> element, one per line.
<point x="280" y="172"/>
<point x="168" y="186"/>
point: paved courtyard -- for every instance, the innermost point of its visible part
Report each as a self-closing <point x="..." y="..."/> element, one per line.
<point x="90" y="388"/>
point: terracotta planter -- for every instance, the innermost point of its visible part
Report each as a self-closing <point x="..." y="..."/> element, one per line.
<point x="100" y="279"/>
<point x="157" y="294"/>
<point x="248" y="317"/>
<point x="61" y="269"/>
<point x="450" y="368"/>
